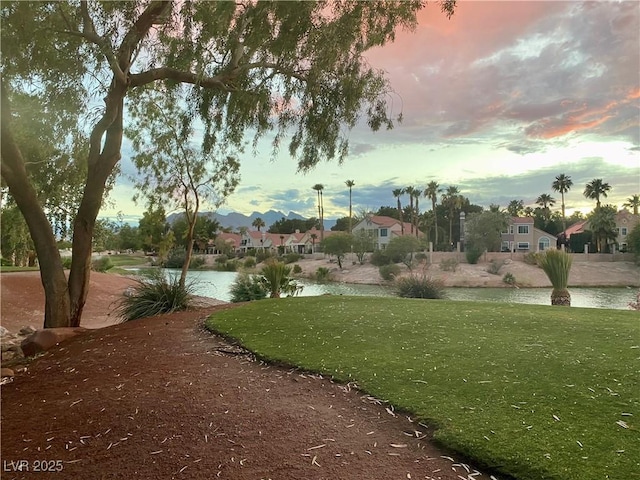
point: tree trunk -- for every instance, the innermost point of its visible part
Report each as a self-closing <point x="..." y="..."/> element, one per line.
<point x="561" y="298"/>
<point x="435" y="222"/>
<point x="189" y="252"/>
<point x="57" y="302"/>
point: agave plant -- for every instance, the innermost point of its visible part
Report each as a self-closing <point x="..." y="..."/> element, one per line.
<point x="276" y="279"/>
<point x="557" y="264"/>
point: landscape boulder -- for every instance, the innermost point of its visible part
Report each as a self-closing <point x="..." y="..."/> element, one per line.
<point x="42" y="340"/>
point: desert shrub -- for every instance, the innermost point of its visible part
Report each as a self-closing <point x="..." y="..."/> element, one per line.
<point x="420" y="256"/>
<point x="297" y="269"/>
<point x="251" y="252"/>
<point x="197" y="262"/>
<point x="275" y="278"/>
<point x="262" y="255"/>
<point x="322" y="274"/>
<point x="101" y="264"/>
<point x="419" y="286"/>
<point x="473" y="255"/>
<point x="389" y="272"/>
<point x="449" y="265"/>
<point x="292" y="257"/>
<point x="495" y="266"/>
<point x="531" y="258"/>
<point x="221" y="259"/>
<point x="249" y="262"/>
<point x="153" y="295"/>
<point x="509" y="279"/>
<point x="379" y="258"/>
<point x="66" y="262"/>
<point x="228" y="266"/>
<point x="246" y="288"/>
<point x="175" y="259"/>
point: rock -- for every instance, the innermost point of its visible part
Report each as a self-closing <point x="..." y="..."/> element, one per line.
<point x="11" y="352"/>
<point x="6" y="372"/>
<point x="28" y="330"/>
<point x="42" y="340"/>
<point x="3" y="331"/>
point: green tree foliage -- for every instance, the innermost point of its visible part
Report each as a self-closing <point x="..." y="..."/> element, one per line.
<point x="602" y="223"/>
<point x="402" y="249"/>
<point x="363" y="242"/>
<point x="387" y="211"/>
<point x="595" y="189"/>
<point x="562" y="184"/>
<point x="105" y="235"/>
<point x="633" y="202"/>
<point x="483" y="231"/>
<point x="515" y="208"/>
<point x="152" y="228"/>
<point x="633" y="242"/>
<point x="129" y="238"/>
<point x="14" y="237"/>
<point x="205" y="229"/>
<point x="285" y="225"/>
<point x="254" y="67"/>
<point x="338" y="244"/>
<point x="342" y="225"/>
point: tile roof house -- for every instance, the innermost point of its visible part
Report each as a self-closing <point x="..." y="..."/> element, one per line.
<point x="625" y="222"/>
<point x="383" y="229"/>
<point x="522" y="236"/>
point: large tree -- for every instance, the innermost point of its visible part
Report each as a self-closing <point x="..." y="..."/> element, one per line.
<point x="398" y="192"/>
<point x="483" y="231"/>
<point x="452" y="200"/>
<point x="562" y="184"/>
<point x="250" y="66"/>
<point x="595" y="189"/>
<point x="633" y="202"/>
<point x="602" y="223"/>
<point x="546" y="201"/>
<point x="431" y="192"/>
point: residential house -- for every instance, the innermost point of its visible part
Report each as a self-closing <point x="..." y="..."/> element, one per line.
<point x="625" y="222"/>
<point x="383" y="229"/>
<point x="521" y="236"/>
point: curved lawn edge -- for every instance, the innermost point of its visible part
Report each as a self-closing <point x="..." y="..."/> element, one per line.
<point x="520" y="390"/>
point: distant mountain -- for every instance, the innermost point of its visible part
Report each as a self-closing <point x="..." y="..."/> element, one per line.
<point x="236" y="220"/>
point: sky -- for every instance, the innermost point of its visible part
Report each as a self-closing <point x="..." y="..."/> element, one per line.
<point x="497" y="100"/>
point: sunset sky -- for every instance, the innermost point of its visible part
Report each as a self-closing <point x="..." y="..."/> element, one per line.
<point x="498" y="100"/>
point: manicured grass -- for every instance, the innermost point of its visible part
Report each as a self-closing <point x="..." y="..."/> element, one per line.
<point x="128" y="260"/>
<point x="7" y="269"/>
<point x="537" y="392"/>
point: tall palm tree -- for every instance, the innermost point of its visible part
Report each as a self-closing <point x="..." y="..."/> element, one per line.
<point x="431" y="192"/>
<point x="417" y="193"/>
<point x="318" y="187"/>
<point x="515" y="207"/>
<point x="562" y="184"/>
<point x="398" y="193"/>
<point x="452" y="200"/>
<point x="258" y="223"/>
<point x="350" y="184"/>
<point x="633" y="202"/>
<point x="595" y="189"/>
<point x="545" y="201"/>
<point x="409" y="191"/>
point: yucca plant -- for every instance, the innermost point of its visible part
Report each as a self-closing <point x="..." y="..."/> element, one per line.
<point x="557" y="264"/>
<point x="153" y="295"/>
<point x="275" y="278"/>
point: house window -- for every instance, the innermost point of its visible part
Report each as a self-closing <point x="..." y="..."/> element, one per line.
<point x="523" y="245"/>
<point x="523" y="229"/>
<point x="623" y="231"/>
<point x="505" y="246"/>
<point x="511" y="229"/>
<point x="384" y="232"/>
<point x="543" y="243"/>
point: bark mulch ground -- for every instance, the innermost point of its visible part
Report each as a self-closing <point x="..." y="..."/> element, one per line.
<point x="161" y="398"/>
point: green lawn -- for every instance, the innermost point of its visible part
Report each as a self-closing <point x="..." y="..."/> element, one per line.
<point x="128" y="260"/>
<point x="533" y="391"/>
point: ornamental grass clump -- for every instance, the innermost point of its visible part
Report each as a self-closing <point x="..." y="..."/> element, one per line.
<point x="557" y="264"/>
<point x="276" y="280"/>
<point x="153" y="295"/>
<point x="419" y="286"/>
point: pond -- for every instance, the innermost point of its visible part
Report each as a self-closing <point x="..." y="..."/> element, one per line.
<point x="216" y="285"/>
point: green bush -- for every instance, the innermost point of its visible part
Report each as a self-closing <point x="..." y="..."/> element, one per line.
<point x="419" y="286"/>
<point x="197" y="262"/>
<point x="322" y="274"/>
<point x="154" y="295"/>
<point x="251" y="252"/>
<point x="249" y="262"/>
<point x="379" y="258"/>
<point x="473" y="255"/>
<point x="176" y="257"/>
<point x="275" y="279"/>
<point x="292" y="257"/>
<point x="509" y="279"/>
<point x="389" y="272"/>
<point x="101" y="264"/>
<point x="246" y="288"/>
<point x="66" y="262"/>
<point x="297" y="269"/>
<point x="495" y="266"/>
<point x="222" y="259"/>
<point x="449" y="265"/>
<point x="531" y="258"/>
<point x="420" y="256"/>
<point x="262" y="255"/>
<point x="227" y="266"/>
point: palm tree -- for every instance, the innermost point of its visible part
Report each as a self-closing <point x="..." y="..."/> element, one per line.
<point x="398" y="193"/>
<point x="417" y="193"/>
<point x="313" y="242"/>
<point x="258" y="223"/>
<point x="515" y="207"/>
<point x="595" y="189"/>
<point x="562" y="184"/>
<point x="557" y="264"/>
<point x="318" y="187"/>
<point x="409" y="191"/>
<point x="431" y="192"/>
<point x="452" y="200"/>
<point x="545" y="201"/>
<point x="350" y="184"/>
<point x="633" y="202"/>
